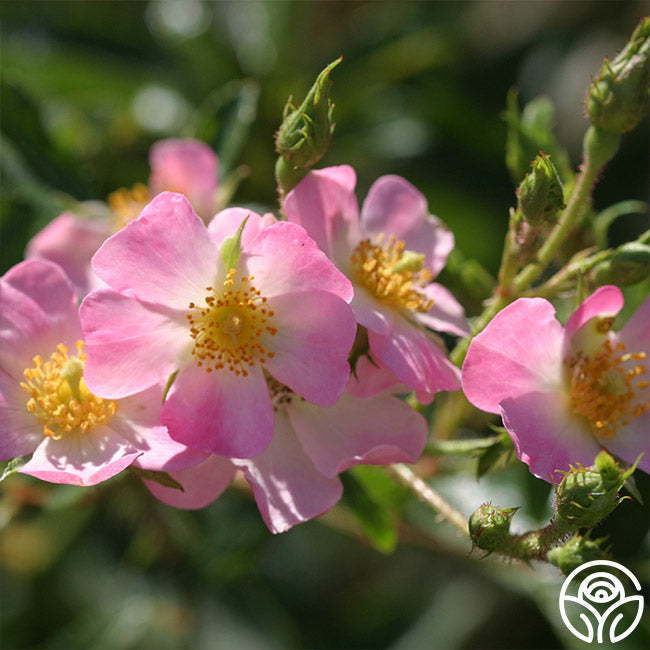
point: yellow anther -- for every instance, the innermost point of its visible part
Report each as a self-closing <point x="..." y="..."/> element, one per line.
<point x="59" y="397"/>
<point x="127" y="204"/>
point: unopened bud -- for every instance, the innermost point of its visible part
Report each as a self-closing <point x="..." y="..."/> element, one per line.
<point x="617" y="99"/>
<point x="305" y="133"/>
<point x="630" y="264"/>
<point x="540" y="194"/>
<point x="585" y="496"/>
<point x="489" y="526"/>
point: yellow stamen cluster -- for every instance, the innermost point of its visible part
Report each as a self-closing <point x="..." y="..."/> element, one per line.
<point x="59" y="397"/>
<point x="127" y="204"/>
<point x="608" y="388"/>
<point x="374" y="267"/>
<point x="228" y="329"/>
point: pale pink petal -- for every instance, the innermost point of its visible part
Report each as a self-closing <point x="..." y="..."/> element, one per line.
<point x="284" y="259"/>
<point x="138" y="421"/>
<point x="130" y="345"/>
<point x="372" y="378"/>
<point x="315" y="332"/>
<point x="415" y="358"/>
<point x="325" y="205"/>
<point x="635" y="334"/>
<point x="376" y="431"/>
<point x="287" y="487"/>
<point x="227" y="222"/>
<point x="520" y="351"/>
<point x="395" y="207"/>
<point x="186" y="166"/>
<point x="220" y="412"/>
<point x="202" y="484"/>
<point x="81" y="459"/>
<point x="372" y="312"/>
<point x="71" y="241"/>
<point x="606" y="301"/>
<point x="446" y="315"/>
<point x="546" y="436"/>
<point x="632" y="440"/>
<point x="165" y="256"/>
<point x="38" y="310"/>
<point x="20" y="430"/>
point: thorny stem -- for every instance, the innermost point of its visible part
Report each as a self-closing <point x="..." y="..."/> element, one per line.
<point x="578" y="201"/>
<point x="429" y="496"/>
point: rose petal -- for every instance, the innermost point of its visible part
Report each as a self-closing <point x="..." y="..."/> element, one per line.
<point x="81" y="459"/>
<point x="284" y="259"/>
<point x="38" y="310"/>
<point x="325" y="205"/>
<point x="395" y="207"/>
<point x="287" y="487"/>
<point x="71" y="241"/>
<point x="546" y="436"/>
<point x="220" y="412"/>
<point x="130" y="345"/>
<point x="376" y="431"/>
<point x="186" y="166"/>
<point x="517" y="353"/>
<point x="202" y="484"/>
<point x="315" y="332"/>
<point x="165" y="256"/>
<point x="446" y="315"/>
<point x="415" y="358"/>
<point x="227" y="222"/>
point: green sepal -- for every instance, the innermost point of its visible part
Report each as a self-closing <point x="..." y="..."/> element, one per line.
<point x="162" y="478"/>
<point x="577" y="551"/>
<point x="497" y="455"/>
<point x="231" y="248"/>
<point x="170" y="380"/>
<point x="12" y="466"/>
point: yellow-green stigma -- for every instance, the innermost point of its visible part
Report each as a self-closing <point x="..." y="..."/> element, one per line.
<point x="392" y="274"/>
<point x="608" y="388"/>
<point x="59" y="397"/>
<point x="229" y="328"/>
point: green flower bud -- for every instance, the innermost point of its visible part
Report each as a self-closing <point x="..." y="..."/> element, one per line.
<point x="576" y="551"/>
<point x="540" y="194"/>
<point x="305" y="133"/>
<point x="585" y="496"/>
<point x="617" y="99"/>
<point x="489" y="526"/>
<point x="630" y="264"/>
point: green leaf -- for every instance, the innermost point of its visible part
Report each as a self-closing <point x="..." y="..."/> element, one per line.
<point x="12" y="466"/>
<point x="163" y="478"/>
<point x="231" y="248"/>
<point x="372" y="497"/>
<point x="497" y="455"/>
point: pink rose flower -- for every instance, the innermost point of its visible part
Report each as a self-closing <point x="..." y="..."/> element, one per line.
<point x="564" y="393"/>
<point x="174" y="306"/>
<point x="296" y="477"/>
<point x="46" y="408"/>
<point x="186" y="166"/>
<point x="391" y="252"/>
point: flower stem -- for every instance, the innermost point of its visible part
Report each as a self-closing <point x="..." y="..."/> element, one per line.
<point x="429" y="496"/>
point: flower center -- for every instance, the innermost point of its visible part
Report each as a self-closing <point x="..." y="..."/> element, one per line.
<point x="127" y="204"/>
<point x="391" y="273"/>
<point x="608" y="389"/>
<point x="228" y="331"/>
<point x="59" y="397"/>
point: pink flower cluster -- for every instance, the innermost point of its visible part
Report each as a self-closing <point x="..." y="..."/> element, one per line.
<point x="206" y="350"/>
<point x="207" y="346"/>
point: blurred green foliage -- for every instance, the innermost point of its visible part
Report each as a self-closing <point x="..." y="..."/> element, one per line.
<point x="86" y="89"/>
